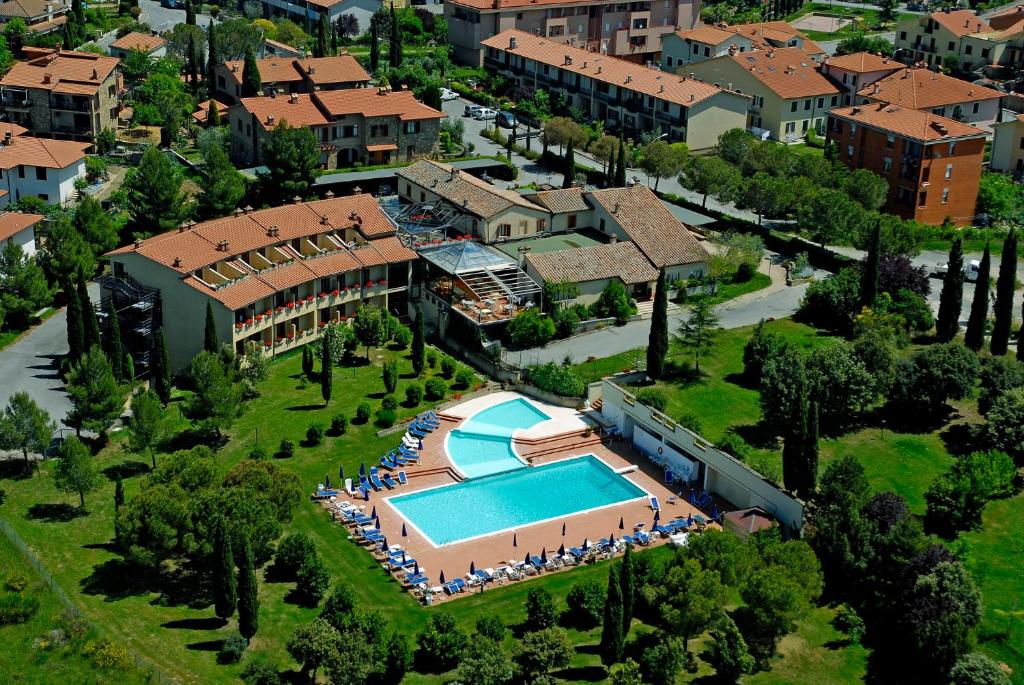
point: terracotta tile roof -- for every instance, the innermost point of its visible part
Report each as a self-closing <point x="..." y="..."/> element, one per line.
<point x="325" y="70"/>
<point x="578" y="265"/>
<point x="711" y="35"/>
<point x="510" y="4"/>
<point x="767" y="33"/>
<point x="1006" y="18"/>
<point x="297" y="110"/>
<point x="788" y="72"/>
<point x="43" y="152"/>
<point x="663" y="239"/>
<point x="375" y="102"/>
<point x="46" y="26"/>
<point x="203" y="110"/>
<point x="961" y="22"/>
<point x="462" y="189"/>
<point x="863" y="62"/>
<point x="29" y="9"/>
<point x="924" y="89"/>
<point x="383" y="147"/>
<point x="15" y="129"/>
<point x="334" y="263"/>
<point x="618" y="72"/>
<point x="74" y="71"/>
<point x="12" y="223"/>
<point x="139" y="41"/>
<point x="906" y="122"/>
<point x="281" y="46"/>
<point x="562" y="201"/>
<point x="393" y="250"/>
<point x="236" y="295"/>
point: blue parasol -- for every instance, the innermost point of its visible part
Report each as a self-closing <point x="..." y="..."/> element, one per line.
<point x="416" y="569"/>
<point x="442" y="578"/>
<point x="657" y="517"/>
<point x="384" y="543"/>
<point x="376" y="524"/>
<point x="527" y="557"/>
<point x="563" y="529"/>
<point x="544" y="556"/>
<point x="472" y="568"/>
<point x="611" y="540"/>
<point x="362" y="469"/>
<point x="403" y="557"/>
<point x="404" y="534"/>
<point x="622" y="523"/>
<point x="689" y="521"/>
<point x="714" y="511"/>
<point x="327" y="481"/>
<point x="373" y="514"/>
<point x="561" y="550"/>
<point x="515" y="543"/>
<point x="341" y="473"/>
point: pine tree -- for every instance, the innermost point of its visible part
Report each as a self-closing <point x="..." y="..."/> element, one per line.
<point x="252" y="84"/>
<point x="620" y="166"/>
<point x="657" y="342"/>
<point x="395" y="45"/>
<point x="76" y="325"/>
<point x="951" y="301"/>
<point x="161" y="368"/>
<point x="211" y="343"/>
<point x="627" y="584"/>
<point x="224" y="588"/>
<point x="248" y="599"/>
<point x="612" y="636"/>
<point x="1005" y="285"/>
<point x="326" y="370"/>
<point x="569" y="180"/>
<point x="418" y="342"/>
<point x="91" y="325"/>
<point x="974" y="337"/>
<point x="156" y="203"/>
<point x="115" y="349"/>
<point x="869" y="277"/>
<point x="213" y="115"/>
<point x="374" y="48"/>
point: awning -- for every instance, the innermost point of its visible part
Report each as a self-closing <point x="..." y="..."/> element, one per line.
<point x="387" y="147"/>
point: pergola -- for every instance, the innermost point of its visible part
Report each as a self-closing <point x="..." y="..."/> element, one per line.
<point x="421" y="223"/>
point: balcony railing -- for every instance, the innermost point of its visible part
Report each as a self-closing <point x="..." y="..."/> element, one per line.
<point x="16" y="102"/>
<point x="70" y="105"/>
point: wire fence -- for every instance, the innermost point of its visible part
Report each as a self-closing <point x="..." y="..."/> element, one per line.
<point x="142" y="663"/>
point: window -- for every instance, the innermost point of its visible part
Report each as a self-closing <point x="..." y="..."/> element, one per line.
<point x="408" y="190"/>
<point x="821" y="102"/>
<point x="1022" y="143"/>
<point x="952" y="149"/>
<point x="668" y="61"/>
<point x="696" y="49"/>
<point x="984" y="53"/>
<point x="707" y="51"/>
<point x="886" y="164"/>
<point x="570" y="221"/>
<point x="922" y="198"/>
<point x="21" y="171"/>
<point x="975" y="107"/>
<point x="423" y="196"/>
<point x="412" y="127"/>
<point x="945" y="195"/>
<point x="890" y="140"/>
<point x="504" y="230"/>
<point x="807" y="104"/>
<point x="790" y="127"/>
<point x="40" y="173"/>
<point x="949" y="171"/>
<point x="941" y="111"/>
<point x="853" y="130"/>
<point x="804" y="125"/>
<point x="952" y="47"/>
<point x="44" y="197"/>
<point x="834" y="101"/>
<point x="849" y="151"/>
<point x="239" y="124"/>
<point x="793" y="106"/>
<point x="967" y="50"/>
<point x="601" y="225"/>
<point x="378" y="130"/>
<point x="903" y="35"/>
<point x="542" y="224"/>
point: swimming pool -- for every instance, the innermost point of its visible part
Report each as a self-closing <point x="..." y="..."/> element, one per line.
<point x="482" y="445"/>
<point x="483" y="506"/>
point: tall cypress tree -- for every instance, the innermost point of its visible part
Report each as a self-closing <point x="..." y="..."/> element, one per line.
<point x="212" y="57"/>
<point x="192" y="65"/>
<point x="118" y="494"/>
<point x="90" y="324"/>
<point x="794" y="446"/>
<point x="951" y="301"/>
<point x="190" y="13"/>
<point x="320" y="46"/>
<point x="610" y="175"/>
<point x="395" y="45"/>
<point x="869" y="277"/>
<point x="326" y="368"/>
<point x="211" y="343"/>
<point x="248" y="599"/>
<point x="374" y="48"/>
<point x="1020" y="337"/>
<point x="225" y="593"/>
<point x="657" y="342"/>
<point x="213" y="115"/>
<point x="809" y="477"/>
<point x="252" y="83"/>
<point x="612" y="636"/>
<point x="76" y="325"/>
<point x="307" y="362"/>
<point x="1005" y="285"/>
<point x="627" y="584"/>
<point x="418" y="342"/>
<point x="570" y="166"/>
<point x="115" y="349"/>
<point x="161" y="368"/>
<point x="974" y="338"/>
<point x="620" y="167"/>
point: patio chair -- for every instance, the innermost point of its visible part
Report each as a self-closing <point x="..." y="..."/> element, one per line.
<point x="387" y="462"/>
<point x="402" y="478"/>
<point x="375" y="480"/>
<point x="364" y="492"/>
<point x="389" y="482"/>
<point x="655" y="506"/>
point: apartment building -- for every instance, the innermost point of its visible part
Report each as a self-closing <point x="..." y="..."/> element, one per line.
<point x="997" y="54"/>
<point x="681" y="48"/>
<point x="934" y="37"/>
<point x="308" y="12"/>
<point x="932" y="163"/>
<point x="154" y="46"/>
<point x="285" y="75"/>
<point x="626" y="96"/>
<point x="274" y="276"/>
<point x="789" y="95"/>
<point x="19" y="229"/>
<point x="41" y="16"/>
<point x="1008" y="146"/>
<point x="629" y="30"/>
<point x="366" y="125"/>
<point x="61" y="93"/>
<point x="854" y="72"/>
<point x="937" y="93"/>
<point x="39" y="167"/>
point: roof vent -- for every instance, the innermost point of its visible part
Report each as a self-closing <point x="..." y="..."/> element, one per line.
<point x="661" y="88"/>
<point x="138" y="243"/>
<point x="329" y="194"/>
<point x="222" y="246"/>
<point x="692" y="98"/>
<point x="312" y="69"/>
<point x="296" y="200"/>
<point x="247" y="209"/>
<point x="599" y="68"/>
<point x="95" y="75"/>
<point x="176" y="263"/>
<point x="238" y="211"/>
<point x="352" y="215"/>
<point x="512" y="43"/>
<point x="855" y="110"/>
<point x="47" y="78"/>
<point x="617" y="207"/>
<point x="294" y="98"/>
<point x="629" y="78"/>
<point x="584" y="64"/>
<point x="272" y="232"/>
<point x="878" y="89"/>
<point x="324" y="221"/>
<point x="270" y="118"/>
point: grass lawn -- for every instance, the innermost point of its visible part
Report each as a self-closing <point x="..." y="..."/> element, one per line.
<point x="864" y="19"/>
<point x="730" y="291"/>
<point x="7" y="337"/>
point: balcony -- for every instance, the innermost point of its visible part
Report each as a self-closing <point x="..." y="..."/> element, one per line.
<point x="71" y="104"/>
<point x="16" y="102"/>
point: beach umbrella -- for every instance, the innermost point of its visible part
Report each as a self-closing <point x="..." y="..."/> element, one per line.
<point x="377" y="524"/>
<point x="373" y="514"/>
<point x="416" y="569"/>
<point x="404" y="534"/>
<point x="327" y="481"/>
<point x="384" y="543"/>
<point x="561" y="550"/>
<point x="622" y="523"/>
<point x="362" y="469"/>
<point x="341" y="473"/>
<point x="421" y="445"/>
<point x="544" y="556"/>
<point x="611" y="540"/>
<point x="367" y="495"/>
<point x="403" y="556"/>
<point x="442" y="578"/>
<point x="563" y="529"/>
<point x="714" y="511"/>
<point x="527" y="557"/>
<point x="515" y="543"/>
<point x="689" y="521"/>
<point x="657" y="517"/>
<point x="586" y="544"/>
<point x="472" y="568"/>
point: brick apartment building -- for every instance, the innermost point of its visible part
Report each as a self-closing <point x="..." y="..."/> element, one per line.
<point x="628" y="30"/>
<point x="61" y="93"/>
<point x="285" y="75"/>
<point x="932" y="163"/>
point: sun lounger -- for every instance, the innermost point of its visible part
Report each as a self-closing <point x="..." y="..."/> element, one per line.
<point x="402" y="478"/>
<point x="417" y="580"/>
<point x="374" y="536"/>
<point x="576" y="552"/>
<point x="387" y="462"/>
<point x="655" y="506"/>
<point x="364" y="492"/>
<point x="628" y="539"/>
<point x="375" y="480"/>
<point x="482" y="575"/>
<point x="642" y="537"/>
<point x="399" y="461"/>
<point x="535" y="561"/>
<point x="664" y="530"/>
<point x="451" y="588"/>
<point x="705" y="500"/>
<point x="409" y="442"/>
<point x="422" y="427"/>
<point x="390" y="482"/>
<point x="416" y="432"/>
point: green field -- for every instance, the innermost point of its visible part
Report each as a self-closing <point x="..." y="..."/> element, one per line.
<point x="864" y="20"/>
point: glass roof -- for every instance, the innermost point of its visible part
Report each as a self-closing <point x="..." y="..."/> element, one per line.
<point x="465" y="256"/>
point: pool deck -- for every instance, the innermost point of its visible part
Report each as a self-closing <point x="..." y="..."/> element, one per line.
<point x="566" y="436"/>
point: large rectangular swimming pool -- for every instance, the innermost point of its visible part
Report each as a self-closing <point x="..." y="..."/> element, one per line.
<point x="506" y="501"/>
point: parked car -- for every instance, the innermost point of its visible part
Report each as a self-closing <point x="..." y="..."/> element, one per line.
<point x="471" y="110"/>
<point x="447" y="94"/>
<point x="506" y="119"/>
<point x="485" y="114"/>
<point x="970" y="270"/>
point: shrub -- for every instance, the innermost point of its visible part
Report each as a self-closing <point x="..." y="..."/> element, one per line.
<point x="447" y="366"/>
<point x="586" y="604"/>
<point x="414" y="395"/>
<point x="691" y="422"/>
<point x="431" y="359"/>
<point x="339" y="424"/>
<point x="286" y="449"/>
<point x="108" y="655"/>
<point x="390" y="375"/>
<point x="978" y="669"/>
<point x="956" y="498"/>
<point x="16" y="582"/>
<point x="491" y="626"/>
<point x="566" y="320"/>
<point x="653" y="398"/>
<point x="259" y="671"/>
<point x="531" y="329"/>
<point x="389" y="402"/>
<point x="314" y="434"/>
<point x="258" y="453"/>
<point x="615" y="303"/>
<point x="363" y="412"/>
<point x="386" y="418"/>
<point x="312" y="579"/>
<point x="464" y="378"/>
<point x="17" y="608"/>
<point x="848" y="621"/>
<point x="540" y="609"/>
<point x="744" y="272"/>
<point x="290" y="555"/>
<point x="436" y="389"/>
<point x="403" y="336"/>
<point x="733" y="444"/>
<point x="561" y="380"/>
<point x="232" y="649"/>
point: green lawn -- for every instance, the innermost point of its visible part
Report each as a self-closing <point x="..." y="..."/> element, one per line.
<point x="864" y="20"/>
<point x="7" y="337"/>
<point x="730" y="291"/>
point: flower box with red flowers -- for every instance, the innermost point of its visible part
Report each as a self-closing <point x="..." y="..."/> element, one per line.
<point x="370" y="284"/>
<point x="291" y="336"/>
<point x="323" y="295"/>
<point x="383" y="281"/>
<point x="322" y="324"/>
<point x="280" y="339"/>
<point x="290" y="305"/>
<point x="335" y="292"/>
<point x="310" y="298"/>
<point x="259" y="317"/>
<point x="238" y="325"/>
<point x="268" y="312"/>
<point x="248" y="322"/>
<point x="280" y="309"/>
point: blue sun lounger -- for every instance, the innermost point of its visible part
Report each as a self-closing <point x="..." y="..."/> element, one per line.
<point x="408" y="454"/>
<point x="362" y="520"/>
<point x="390" y="482"/>
<point x="417" y="580"/>
<point x="705" y="500"/>
<point x="372" y="535"/>
<point x="535" y="561"/>
<point x="364" y="492"/>
<point x="399" y="460"/>
<point x="421" y="426"/>
<point x="416" y="433"/>
<point x="628" y="539"/>
<point x="576" y="552"/>
<point x="482" y="575"/>
<point x="402" y="478"/>
<point x="664" y="530"/>
<point x="375" y="479"/>
<point x="388" y="462"/>
<point x="655" y="506"/>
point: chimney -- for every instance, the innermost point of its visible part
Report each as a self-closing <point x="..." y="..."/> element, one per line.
<point x="612" y="239"/>
<point x="599" y="68"/>
<point x="296" y="200"/>
<point x="661" y="88"/>
<point x="294" y="98"/>
<point x="8" y="136"/>
<point x="329" y="194"/>
<point x="692" y="98"/>
<point x="238" y="211"/>
<point x="693" y="75"/>
<point x="617" y="207"/>
<point x="629" y="78"/>
<point x="176" y="263"/>
<point x="182" y="227"/>
<point x="324" y="221"/>
<point x="855" y="110"/>
<point x="270" y="118"/>
<point x="247" y="209"/>
<point x="222" y="246"/>
<point x="138" y="243"/>
<point x="312" y="70"/>
<point x="878" y="89"/>
<point x="47" y="78"/>
<point x="967" y="23"/>
<point x="733" y="49"/>
<point x="584" y="64"/>
<point x="95" y="75"/>
<point x="568" y="60"/>
<point x="512" y="43"/>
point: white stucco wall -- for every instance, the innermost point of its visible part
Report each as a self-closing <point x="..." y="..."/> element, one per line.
<point x="58" y="186"/>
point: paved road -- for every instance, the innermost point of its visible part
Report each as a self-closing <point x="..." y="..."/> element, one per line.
<point x="162" y="19"/>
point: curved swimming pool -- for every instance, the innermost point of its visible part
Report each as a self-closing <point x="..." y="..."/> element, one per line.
<point x="482" y="446"/>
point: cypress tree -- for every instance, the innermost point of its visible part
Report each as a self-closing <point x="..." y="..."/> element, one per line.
<point x="190" y="13"/>
<point x="610" y="175"/>
<point x="974" y="338"/>
<point x="224" y="588"/>
<point x="657" y="343"/>
<point x="395" y="45"/>
<point x="418" y="342"/>
<point x="90" y="324"/>
<point x="1020" y="338"/>
<point x="809" y="477"/>
<point x="211" y="343"/>
<point x="115" y="349"/>
<point x="794" y="454"/>
<point x="212" y="56"/>
<point x="334" y="39"/>
<point x="620" y="167"/>
<point x="951" y="301"/>
<point x="627" y="584"/>
<point x="612" y="636"/>
<point x="326" y="370"/>
<point x="161" y="368"/>
<point x="307" y="362"/>
<point x="869" y="277"/>
<point x="1005" y="285"/>
<point x="248" y="600"/>
<point x="320" y="46"/>
<point x="118" y="494"/>
<point x="192" y="66"/>
<point x="252" y="84"/>
<point x="76" y="326"/>
<point x="374" y="48"/>
<point x="213" y="115"/>
<point x="570" y="167"/>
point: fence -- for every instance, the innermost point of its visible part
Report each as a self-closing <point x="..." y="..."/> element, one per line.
<point x="141" y="662"/>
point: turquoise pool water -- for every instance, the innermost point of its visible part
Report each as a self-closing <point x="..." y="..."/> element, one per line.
<point x="482" y="445"/>
<point x="482" y="506"/>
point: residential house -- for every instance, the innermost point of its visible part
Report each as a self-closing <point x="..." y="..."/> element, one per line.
<point x="690" y="46"/>
<point x="592" y="268"/>
<point x="151" y="45"/>
<point x="273" y="48"/>
<point x="366" y="125"/>
<point x="203" y="112"/>
<point x="626" y="96"/>
<point x="629" y="30"/>
<point x="937" y="93"/>
<point x="308" y="13"/>
<point x="19" y="229"/>
<point x="275" y="277"/>
<point x="61" y="93"/>
<point x="932" y="163"/>
<point x="41" y="16"/>
<point x="40" y="167"/>
<point x="996" y="54"/>
<point x="1008" y="146"/>
<point x="789" y="94"/>
<point x="933" y="38"/>
<point x="284" y="75"/>
<point x="856" y="71"/>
